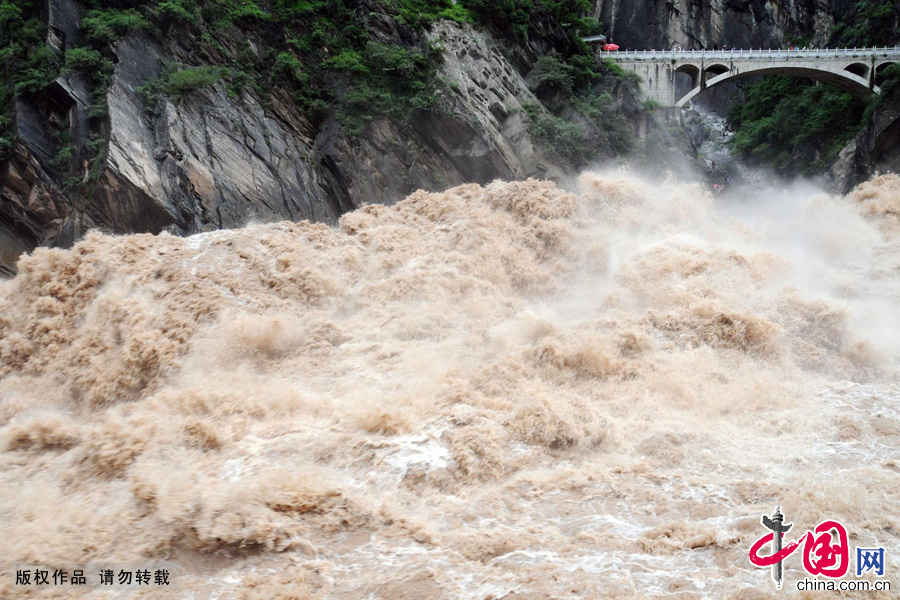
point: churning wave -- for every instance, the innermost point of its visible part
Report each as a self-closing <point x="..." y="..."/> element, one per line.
<point x="508" y="391"/>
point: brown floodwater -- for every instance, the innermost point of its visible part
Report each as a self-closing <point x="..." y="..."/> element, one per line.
<point x="509" y="391"/>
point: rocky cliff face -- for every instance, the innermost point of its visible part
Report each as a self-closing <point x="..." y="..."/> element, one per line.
<point x="657" y="24"/>
<point x="876" y="149"/>
<point x="214" y="159"/>
<point x="219" y="157"/>
<point x="210" y="161"/>
<point x="706" y="24"/>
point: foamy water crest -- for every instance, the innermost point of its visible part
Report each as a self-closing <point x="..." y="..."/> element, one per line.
<point x="508" y="391"/>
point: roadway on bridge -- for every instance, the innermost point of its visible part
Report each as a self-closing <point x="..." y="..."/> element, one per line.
<point x="855" y="70"/>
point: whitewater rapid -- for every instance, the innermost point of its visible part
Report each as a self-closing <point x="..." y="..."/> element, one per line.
<point x="508" y="391"/>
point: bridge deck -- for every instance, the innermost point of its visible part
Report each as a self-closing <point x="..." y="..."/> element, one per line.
<point x="855" y="70"/>
<point x="749" y="54"/>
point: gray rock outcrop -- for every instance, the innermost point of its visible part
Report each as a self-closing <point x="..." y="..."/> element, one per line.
<point x="212" y="159"/>
<point x="874" y="150"/>
<point x="707" y="24"/>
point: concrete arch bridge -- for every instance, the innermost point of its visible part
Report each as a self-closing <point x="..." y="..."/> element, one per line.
<point x="855" y="70"/>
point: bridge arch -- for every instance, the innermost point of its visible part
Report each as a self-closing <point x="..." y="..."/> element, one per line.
<point x="879" y="70"/>
<point x="859" y="69"/>
<point x="692" y="71"/>
<point x="846" y="80"/>
<point x="716" y="69"/>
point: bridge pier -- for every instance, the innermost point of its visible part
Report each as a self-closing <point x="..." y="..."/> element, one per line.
<point x="642" y="121"/>
<point x="642" y="126"/>
<point x="657" y="81"/>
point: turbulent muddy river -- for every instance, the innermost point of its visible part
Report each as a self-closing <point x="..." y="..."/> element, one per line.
<point x="508" y="391"/>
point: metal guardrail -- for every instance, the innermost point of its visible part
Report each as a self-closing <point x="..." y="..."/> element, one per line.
<point x="803" y="53"/>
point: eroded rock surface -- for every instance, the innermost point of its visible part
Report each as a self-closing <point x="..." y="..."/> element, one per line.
<point x="212" y="160"/>
<point x="657" y="24"/>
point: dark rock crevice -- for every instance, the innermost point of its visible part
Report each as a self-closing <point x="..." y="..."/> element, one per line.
<point x="214" y="159"/>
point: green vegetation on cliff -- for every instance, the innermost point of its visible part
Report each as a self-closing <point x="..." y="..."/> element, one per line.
<point x="794" y="125"/>
<point x="517" y="17"/>
<point x="583" y="117"/>
<point x="874" y="23"/>
<point x="798" y="126"/>
<point x="106" y="26"/>
<point x="358" y="60"/>
<point x="27" y="65"/>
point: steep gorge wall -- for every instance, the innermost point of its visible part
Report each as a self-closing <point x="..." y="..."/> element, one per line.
<point x="213" y="159"/>
<point x="706" y="24"/>
<point x="693" y="24"/>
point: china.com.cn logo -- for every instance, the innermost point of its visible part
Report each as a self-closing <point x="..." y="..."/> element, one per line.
<point x="826" y="550"/>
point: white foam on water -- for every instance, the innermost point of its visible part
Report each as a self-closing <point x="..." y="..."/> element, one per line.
<point x="491" y="390"/>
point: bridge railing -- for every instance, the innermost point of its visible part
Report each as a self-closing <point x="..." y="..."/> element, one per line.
<point x="763" y="53"/>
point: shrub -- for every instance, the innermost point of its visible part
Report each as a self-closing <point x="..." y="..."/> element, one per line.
<point x="63" y="157"/>
<point x="98" y="70"/>
<point x="565" y="138"/>
<point x="191" y="79"/>
<point x="86" y="60"/>
<point x="584" y="69"/>
<point x="183" y="11"/>
<point x="456" y="12"/>
<point x="106" y="26"/>
<point x="6" y="144"/>
<point x="295" y="10"/>
<point x="588" y="26"/>
<point x="41" y="67"/>
<point x="782" y="113"/>
<point x="611" y="66"/>
<point x="247" y="10"/>
<point x="421" y="13"/>
<point x="871" y="24"/>
<point x="151" y="92"/>
<point x="238" y="82"/>
<point x="552" y="71"/>
<point x="394" y="61"/>
<point x="348" y="60"/>
<point x="10" y="15"/>
<point x="224" y="13"/>
<point x="890" y="85"/>
<point x="289" y="69"/>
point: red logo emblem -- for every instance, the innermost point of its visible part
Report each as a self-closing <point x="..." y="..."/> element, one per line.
<point x="826" y="550"/>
